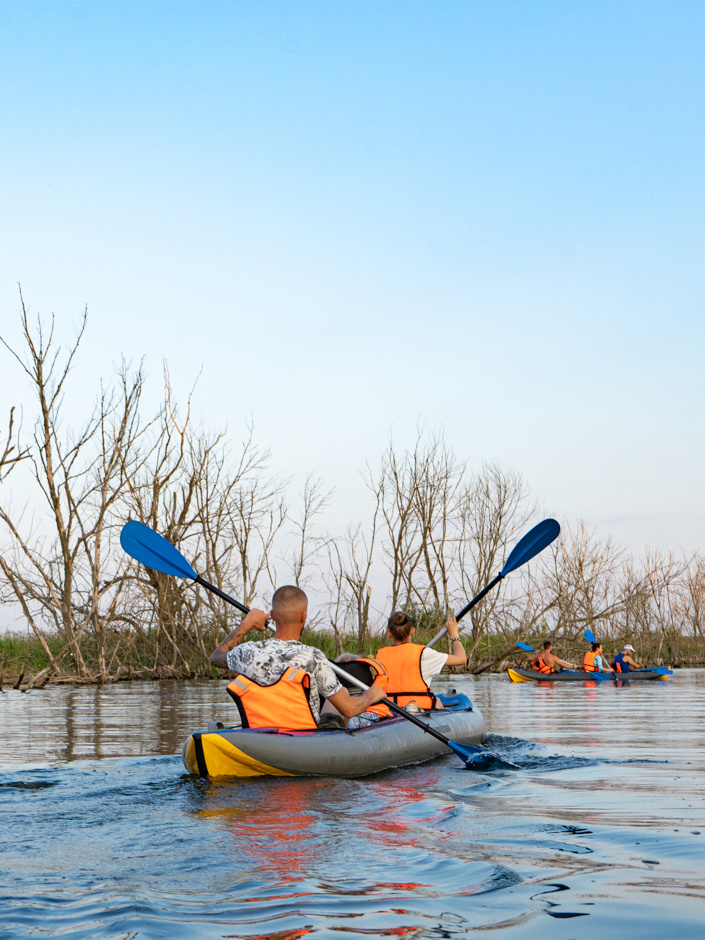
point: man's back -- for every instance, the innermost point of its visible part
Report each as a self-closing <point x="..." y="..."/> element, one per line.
<point x="266" y="661"/>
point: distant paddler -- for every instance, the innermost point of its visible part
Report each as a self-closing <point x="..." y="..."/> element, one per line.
<point x="545" y="661"/>
<point x="594" y="661"/>
<point x="623" y="662"/>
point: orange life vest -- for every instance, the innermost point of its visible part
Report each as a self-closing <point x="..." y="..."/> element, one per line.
<point x="284" y="704"/>
<point x="405" y="682"/>
<point x="541" y="666"/>
<point x="589" y="662"/>
<point x="382" y="680"/>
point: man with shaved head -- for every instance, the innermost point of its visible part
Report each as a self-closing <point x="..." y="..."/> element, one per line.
<point x="279" y="679"/>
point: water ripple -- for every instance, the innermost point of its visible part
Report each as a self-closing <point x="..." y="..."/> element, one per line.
<point x="598" y="833"/>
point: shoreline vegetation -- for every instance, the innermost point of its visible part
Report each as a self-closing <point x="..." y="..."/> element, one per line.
<point x="24" y="661"/>
<point x="433" y="531"/>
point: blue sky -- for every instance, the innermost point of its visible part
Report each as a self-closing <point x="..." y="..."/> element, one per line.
<point x="356" y="217"/>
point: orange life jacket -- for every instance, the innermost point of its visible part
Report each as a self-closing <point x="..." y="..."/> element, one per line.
<point x="589" y="662"/>
<point x="405" y="682"/>
<point x="382" y="680"/>
<point x="284" y="704"/>
<point x="541" y="666"/>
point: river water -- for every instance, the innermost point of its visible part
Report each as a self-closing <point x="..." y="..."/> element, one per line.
<point x="600" y="833"/>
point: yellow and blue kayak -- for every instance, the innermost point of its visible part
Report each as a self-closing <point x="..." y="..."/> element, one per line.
<point x="577" y="675"/>
<point x="239" y="752"/>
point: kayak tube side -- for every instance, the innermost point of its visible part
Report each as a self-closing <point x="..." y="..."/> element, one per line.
<point x="392" y="743"/>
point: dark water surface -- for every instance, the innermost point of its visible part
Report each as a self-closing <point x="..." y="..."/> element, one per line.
<point x="601" y="833"/>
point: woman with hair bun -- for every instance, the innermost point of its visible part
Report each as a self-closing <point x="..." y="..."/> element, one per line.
<point x="411" y="666"/>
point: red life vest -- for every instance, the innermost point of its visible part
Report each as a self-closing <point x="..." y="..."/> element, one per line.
<point x="540" y="666"/>
<point x="405" y="683"/>
<point x="284" y="704"/>
<point x="589" y="662"/>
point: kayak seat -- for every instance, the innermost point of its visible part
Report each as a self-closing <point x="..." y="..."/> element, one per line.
<point x="456" y="700"/>
<point x="358" y="670"/>
<point x="331" y="722"/>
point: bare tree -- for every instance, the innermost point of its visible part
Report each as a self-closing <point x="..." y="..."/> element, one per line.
<point x="12" y="452"/>
<point x="57" y="574"/>
<point x="690" y="599"/>
<point x="439" y="480"/>
<point x="308" y="546"/>
<point x="351" y="560"/>
<point x="491" y="511"/>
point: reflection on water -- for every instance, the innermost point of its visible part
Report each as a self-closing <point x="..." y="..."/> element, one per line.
<point x="131" y="719"/>
<point x="600" y="833"/>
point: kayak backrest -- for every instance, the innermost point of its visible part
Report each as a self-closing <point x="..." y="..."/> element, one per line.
<point x="358" y="670"/>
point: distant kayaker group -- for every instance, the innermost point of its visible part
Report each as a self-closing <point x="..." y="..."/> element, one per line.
<point x="544" y="661"/>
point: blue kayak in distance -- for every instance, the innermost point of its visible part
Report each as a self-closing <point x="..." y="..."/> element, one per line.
<point x="257" y="752"/>
<point x="578" y="675"/>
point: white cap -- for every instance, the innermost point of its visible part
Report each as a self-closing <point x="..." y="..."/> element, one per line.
<point x="628" y="647"/>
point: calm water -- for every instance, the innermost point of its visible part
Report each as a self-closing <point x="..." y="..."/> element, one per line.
<point x="601" y="833"/>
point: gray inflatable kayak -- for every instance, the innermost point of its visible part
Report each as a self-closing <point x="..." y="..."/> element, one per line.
<point x="238" y="752"/>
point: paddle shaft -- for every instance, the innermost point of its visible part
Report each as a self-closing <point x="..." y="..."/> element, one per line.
<point x="222" y="594"/>
<point x="468" y="607"/>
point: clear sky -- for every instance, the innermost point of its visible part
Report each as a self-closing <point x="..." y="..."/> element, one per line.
<point x="357" y="216"/>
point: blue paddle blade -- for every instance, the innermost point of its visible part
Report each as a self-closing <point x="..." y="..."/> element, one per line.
<point x="152" y="550"/>
<point x="476" y="758"/>
<point x="533" y="542"/>
<point x="525" y="646"/>
<point x="589" y="636"/>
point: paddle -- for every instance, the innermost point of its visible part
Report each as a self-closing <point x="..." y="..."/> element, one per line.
<point x="154" y="551"/>
<point x="529" y="546"/>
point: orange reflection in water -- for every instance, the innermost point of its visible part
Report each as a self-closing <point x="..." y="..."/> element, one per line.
<point x="283" y="934"/>
<point x="269" y="831"/>
<point x="275" y="827"/>
<point x="395" y="796"/>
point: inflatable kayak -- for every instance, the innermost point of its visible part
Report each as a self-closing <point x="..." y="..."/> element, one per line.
<point x="577" y="675"/>
<point x="239" y="752"/>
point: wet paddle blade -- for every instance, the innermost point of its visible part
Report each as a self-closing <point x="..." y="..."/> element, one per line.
<point x="152" y="550"/>
<point x="525" y="646"/>
<point x="476" y="758"/>
<point x="590" y="636"/>
<point x="533" y="542"/>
